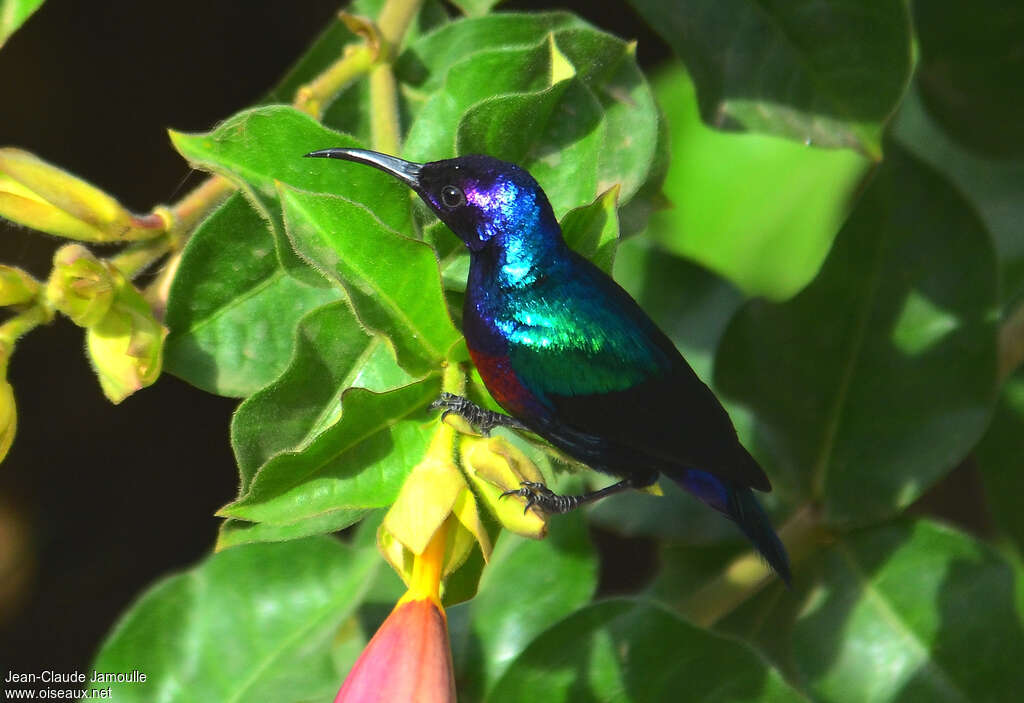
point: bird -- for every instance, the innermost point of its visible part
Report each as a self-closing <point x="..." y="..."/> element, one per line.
<point x="571" y="356"/>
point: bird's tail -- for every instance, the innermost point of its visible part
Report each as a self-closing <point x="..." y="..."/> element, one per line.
<point x="739" y="504"/>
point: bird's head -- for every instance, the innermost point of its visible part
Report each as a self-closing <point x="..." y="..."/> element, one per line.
<point x="483" y="200"/>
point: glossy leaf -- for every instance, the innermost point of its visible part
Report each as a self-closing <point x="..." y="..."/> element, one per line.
<point x="622" y="650"/>
<point x="13" y="14"/>
<point x="901" y="612"/>
<point x="511" y="609"/>
<point x="992" y="184"/>
<point x="828" y="73"/>
<point x="359" y="462"/>
<point x="250" y="623"/>
<point x="850" y="380"/>
<point x="263" y="146"/>
<point x="970" y="61"/>
<point x="759" y="210"/>
<point x="232" y="309"/>
<point x="593" y="230"/>
<point x="393" y="282"/>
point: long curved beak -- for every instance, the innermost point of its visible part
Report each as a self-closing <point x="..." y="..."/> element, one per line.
<point x="406" y="171"/>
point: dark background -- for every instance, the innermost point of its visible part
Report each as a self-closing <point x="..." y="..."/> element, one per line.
<point x="97" y="501"/>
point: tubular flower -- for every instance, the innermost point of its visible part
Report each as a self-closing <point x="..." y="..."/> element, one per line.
<point x="409" y="658"/>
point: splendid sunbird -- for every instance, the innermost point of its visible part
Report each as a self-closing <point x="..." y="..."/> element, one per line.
<point x="571" y="356"/>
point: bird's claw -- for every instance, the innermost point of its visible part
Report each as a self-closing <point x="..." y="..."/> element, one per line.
<point x="538" y="494"/>
<point x="482" y="420"/>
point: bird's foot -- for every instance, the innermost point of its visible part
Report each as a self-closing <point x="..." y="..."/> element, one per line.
<point x="481" y="419"/>
<point x="544" y="498"/>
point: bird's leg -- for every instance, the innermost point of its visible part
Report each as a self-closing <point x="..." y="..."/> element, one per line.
<point x="481" y="419"/>
<point x="550" y="502"/>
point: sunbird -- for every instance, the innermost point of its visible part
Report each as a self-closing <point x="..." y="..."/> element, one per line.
<point x="571" y="356"/>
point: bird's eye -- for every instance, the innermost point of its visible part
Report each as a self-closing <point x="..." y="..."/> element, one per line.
<point x="452" y="197"/>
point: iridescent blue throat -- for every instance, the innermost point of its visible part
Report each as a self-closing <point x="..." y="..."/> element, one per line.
<point x="522" y="226"/>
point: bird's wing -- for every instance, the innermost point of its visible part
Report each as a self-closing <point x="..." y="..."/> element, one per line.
<point x="592" y="354"/>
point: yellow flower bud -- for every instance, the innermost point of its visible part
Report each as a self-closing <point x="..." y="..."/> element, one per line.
<point x="81" y="286"/>
<point x="41" y="196"/>
<point x="495" y="466"/>
<point x="126" y="346"/>
<point x="8" y="410"/>
<point x="16" y="286"/>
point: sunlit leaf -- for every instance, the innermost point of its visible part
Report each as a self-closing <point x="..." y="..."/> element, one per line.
<point x="359" y="462"/>
<point x="232" y="309"/>
<point x="332" y="354"/>
<point x="760" y="210"/>
<point x="622" y="650"/>
<point x="250" y="623"/>
<point x="263" y="146"/>
<point x="827" y="72"/>
<point x="13" y="14"/>
<point x="851" y="380"/>
<point x="392" y="281"/>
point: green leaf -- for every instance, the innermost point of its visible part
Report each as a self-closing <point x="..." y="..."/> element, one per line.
<point x="622" y="650"/>
<point x="233" y="533"/>
<point x="828" y="73"/>
<point x="359" y="462"/>
<point x="607" y="66"/>
<point x="902" y="612"/>
<point x="998" y="455"/>
<point x="593" y="230"/>
<point x="851" y="380"/>
<point x="13" y="14"/>
<point x="425" y="63"/>
<point x="968" y="74"/>
<point x="993" y="185"/>
<point x="250" y="623"/>
<point x="257" y="148"/>
<point x="527" y="585"/>
<point x="332" y="354"/>
<point x="557" y="134"/>
<point x="232" y="309"/>
<point x="393" y="282"/>
<point x="475" y="8"/>
<point x="760" y="210"/>
<point x="478" y="76"/>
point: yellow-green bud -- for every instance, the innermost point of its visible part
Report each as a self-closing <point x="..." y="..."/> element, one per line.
<point x="126" y="346"/>
<point x="8" y="409"/>
<point x="495" y="466"/>
<point x="16" y="286"/>
<point x="41" y="196"/>
<point x="81" y="286"/>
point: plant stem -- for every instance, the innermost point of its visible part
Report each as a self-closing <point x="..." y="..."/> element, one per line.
<point x="136" y="259"/>
<point x="746" y="575"/>
<point x="386" y="133"/>
<point x="392" y="24"/>
<point x="316" y="95"/>
<point x="195" y="206"/>
<point x="395" y="18"/>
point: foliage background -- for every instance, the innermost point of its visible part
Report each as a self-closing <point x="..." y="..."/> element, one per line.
<point x="100" y="535"/>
